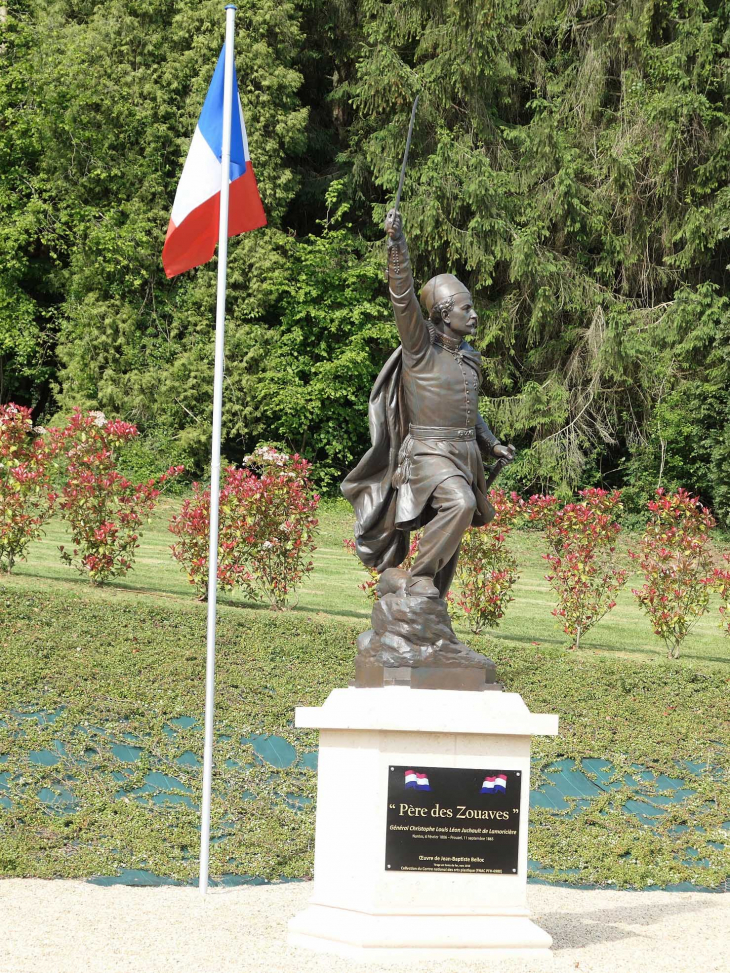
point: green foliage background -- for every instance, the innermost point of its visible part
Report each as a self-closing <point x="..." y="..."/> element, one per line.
<point x="570" y="162"/>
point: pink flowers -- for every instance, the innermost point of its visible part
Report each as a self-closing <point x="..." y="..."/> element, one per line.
<point x="487" y="570"/>
<point x="721" y="583"/>
<point x="676" y="560"/>
<point x="582" y="556"/>
<point x="267" y="527"/>
<point x="103" y="508"/>
<point x="26" y="498"/>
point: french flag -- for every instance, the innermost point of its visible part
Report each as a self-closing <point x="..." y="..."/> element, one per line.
<point x="416" y="781"/>
<point x="193" y="231"/>
<point x="494" y="785"/>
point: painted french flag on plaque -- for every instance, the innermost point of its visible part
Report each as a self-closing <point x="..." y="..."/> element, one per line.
<point x="494" y="785"/>
<point x="193" y="231"/>
<point x="416" y="781"/>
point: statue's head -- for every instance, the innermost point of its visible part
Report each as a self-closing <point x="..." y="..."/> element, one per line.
<point x="449" y="305"/>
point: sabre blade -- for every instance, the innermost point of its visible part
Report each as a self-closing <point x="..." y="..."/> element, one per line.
<point x="494" y="471"/>
<point x="396" y="206"/>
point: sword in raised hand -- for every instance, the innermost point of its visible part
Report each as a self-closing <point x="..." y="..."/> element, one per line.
<point x="396" y="205"/>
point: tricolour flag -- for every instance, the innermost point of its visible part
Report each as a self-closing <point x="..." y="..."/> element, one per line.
<point x="193" y="230"/>
<point x="417" y="781"/>
<point x="494" y="785"/>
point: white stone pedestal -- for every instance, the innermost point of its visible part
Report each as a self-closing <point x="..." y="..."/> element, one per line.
<point x="360" y="909"/>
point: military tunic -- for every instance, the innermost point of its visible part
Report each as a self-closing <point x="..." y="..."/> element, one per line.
<point x="440" y="383"/>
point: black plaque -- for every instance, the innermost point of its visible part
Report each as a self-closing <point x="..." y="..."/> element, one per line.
<point x="449" y="819"/>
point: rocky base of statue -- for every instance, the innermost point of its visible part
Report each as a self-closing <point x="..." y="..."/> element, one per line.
<point x="412" y="643"/>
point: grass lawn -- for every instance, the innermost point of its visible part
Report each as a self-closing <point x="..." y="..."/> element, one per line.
<point x="332" y="588"/>
<point x="100" y="737"/>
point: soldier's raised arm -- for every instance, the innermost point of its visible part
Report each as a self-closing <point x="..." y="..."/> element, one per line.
<point x="412" y="326"/>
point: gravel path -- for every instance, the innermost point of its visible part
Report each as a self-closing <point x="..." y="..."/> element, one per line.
<point x="74" y="927"/>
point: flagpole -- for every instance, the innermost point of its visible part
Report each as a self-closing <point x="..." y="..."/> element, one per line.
<point x="215" y="462"/>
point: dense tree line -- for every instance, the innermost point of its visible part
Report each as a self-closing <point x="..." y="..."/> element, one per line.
<point x="570" y="162"/>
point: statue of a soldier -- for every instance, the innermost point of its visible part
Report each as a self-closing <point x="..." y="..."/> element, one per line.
<point x="425" y="468"/>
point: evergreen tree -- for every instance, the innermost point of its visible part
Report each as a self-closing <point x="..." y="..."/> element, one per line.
<point x="569" y="163"/>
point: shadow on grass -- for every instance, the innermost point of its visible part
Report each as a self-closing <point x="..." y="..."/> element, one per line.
<point x="342" y="613"/>
<point x="503" y="637"/>
<point x="703" y="658"/>
<point x="610" y="650"/>
<point x="110" y="588"/>
<point x="299" y="609"/>
<point x="564" y="642"/>
<point x="187" y="598"/>
<point x="658" y="653"/>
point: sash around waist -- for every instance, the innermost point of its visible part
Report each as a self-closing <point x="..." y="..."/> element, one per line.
<point x="460" y="434"/>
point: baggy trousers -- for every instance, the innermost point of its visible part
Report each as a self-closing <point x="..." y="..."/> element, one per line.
<point x="454" y="504"/>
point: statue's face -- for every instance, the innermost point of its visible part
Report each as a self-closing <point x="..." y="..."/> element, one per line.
<point x="462" y="318"/>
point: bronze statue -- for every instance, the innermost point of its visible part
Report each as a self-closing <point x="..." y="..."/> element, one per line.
<point x="424" y="470"/>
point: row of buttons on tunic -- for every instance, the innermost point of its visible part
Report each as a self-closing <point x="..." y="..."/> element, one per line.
<point x="394" y="253"/>
<point x="466" y="388"/>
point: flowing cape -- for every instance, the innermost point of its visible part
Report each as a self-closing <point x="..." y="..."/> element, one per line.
<point x="369" y="487"/>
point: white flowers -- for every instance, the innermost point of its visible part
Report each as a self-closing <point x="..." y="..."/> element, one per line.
<point x="266" y="456"/>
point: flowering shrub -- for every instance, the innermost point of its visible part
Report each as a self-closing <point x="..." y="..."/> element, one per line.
<point x="192" y="528"/>
<point x="103" y="508"/>
<point x="280" y="516"/>
<point x="721" y="584"/>
<point x="487" y="570"/>
<point x="676" y="560"/>
<point x="370" y="586"/>
<point x="26" y="500"/>
<point x="266" y="530"/>
<point x="582" y="556"/>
